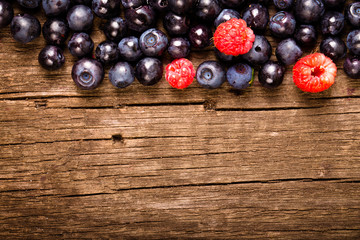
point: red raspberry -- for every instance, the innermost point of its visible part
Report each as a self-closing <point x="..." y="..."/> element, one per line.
<point x="233" y="37"/>
<point x="180" y="73"/>
<point x="314" y="73"/>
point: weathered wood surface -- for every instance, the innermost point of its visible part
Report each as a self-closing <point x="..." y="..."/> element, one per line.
<point x="159" y="163"/>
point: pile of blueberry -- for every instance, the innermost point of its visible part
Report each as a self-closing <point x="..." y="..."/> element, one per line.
<point x="135" y="46"/>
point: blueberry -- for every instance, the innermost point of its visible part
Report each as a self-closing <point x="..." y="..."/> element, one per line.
<point x="207" y="10"/>
<point x="352" y="66"/>
<point x="256" y="16"/>
<point x="334" y="3"/>
<point x="199" y="36"/>
<point x="129" y="49"/>
<point x="159" y="5"/>
<point x="181" y="7"/>
<point x="176" y="25"/>
<point x="132" y="3"/>
<point x="306" y="35"/>
<point x="107" y="52"/>
<point x="80" y="45"/>
<point x="51" y="57"/>
<point x="271" y="74"/>
<point x="80" y="18"/>
<point x="240" y="75"/>
<point x="332" y="23"/>
<point x="141" y="18"/>
<point x="224" y="57"/>
<point x="353" y="42"/>
<point x="121" y="75"/>
<point x="106" y="8"/>
<point x="25" y="28"/>
<point x="352" y="14"/>
<point x="153" y="42"/>
<point x="260" y="51"/>
<point x="233" y="4"/>
<point x="6" y="13"/>
<point x="283" y="4"/>
<point x="309" y="11"/>
<point x="55" y="31"/>
<point x="29" y="3"/>
<point x="288" y="52"/>
<point x="210" y="74"/>
<point x="87" y="73"/>
<point x="149" y="71"/>
<point x="333" y="47"/>
<point x="55" y="7"/>
<point x="225" y="15"/>
<point x="115" y="29"/>
<point x="179" y="47"/>
<point x="282" y="24"/>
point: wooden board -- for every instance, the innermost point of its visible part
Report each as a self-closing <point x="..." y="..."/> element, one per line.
<point x="160" y="163"/>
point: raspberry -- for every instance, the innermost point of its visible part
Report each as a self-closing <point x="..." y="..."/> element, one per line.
<point x="233" y="37"/>
<point x="180" y="73"/>
<point x="314" y="73"/>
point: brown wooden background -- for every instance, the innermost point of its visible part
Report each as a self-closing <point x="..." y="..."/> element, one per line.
<point x="160" y="163"/>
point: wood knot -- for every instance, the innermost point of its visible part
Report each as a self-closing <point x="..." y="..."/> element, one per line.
<point x="209" y="105"/>
<point x="117" y="138"/>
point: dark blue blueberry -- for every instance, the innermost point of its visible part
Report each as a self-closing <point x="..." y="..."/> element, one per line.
<point x="55" y="7"/>
<point x="129" y="49"/>
<point x="352" y="14"/>
<point x="207" y="10"/>
<point x="181" y="7"/>
<point x="159" y="5"/>
<point x="233" y="4"/>
<point x="260" y="52"/>
<point x="334" y="3"/>
<point x="149" y="71"/>
<point x="29" y="3"/>
<point x="256" y="16"/>
<point x="225" y="15"/>
<point x="80" y="45"/>
<point x="132" y="3"/>
<point x="309" y="11"/>
<point x="106" y="8"/>
<point x="121" y="75"/>
<point x="80" y="18"/>
<point x="176" y="25"/>
<point x="179" y="47"/>
<point x="210" y="74"/>
<point x="87" y="73"/>
<point x="332" y="23"/>
<point x="333" y="47"/>
<point x="283" y="4"/>
<point x="306" y="35"/>
<point x="353" y="42"/>
<point x="153" y="42"/>
<point x="224" y="57"/>
<point x="6" y="13"/>
<point x="282" y="24"/>
<point x="115" y="29"/>
<point x="240" y="75"/>
<point x="107" y="52"/>
<point x="141" y="18"/>
<point x="288" y="52"/>
<point x="55" y="31"/>
<point x="271" y="74"/>
<point x="25" y="28"/>
<point x="199" y="36"/>
<point x="352" y="66"/>
<point x="51" y="57"/>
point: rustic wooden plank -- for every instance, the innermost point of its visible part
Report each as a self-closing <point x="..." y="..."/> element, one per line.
<point x="283" y="210"/>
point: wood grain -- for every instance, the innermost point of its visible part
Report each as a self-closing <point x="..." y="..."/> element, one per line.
<point x="160" y="163"/>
